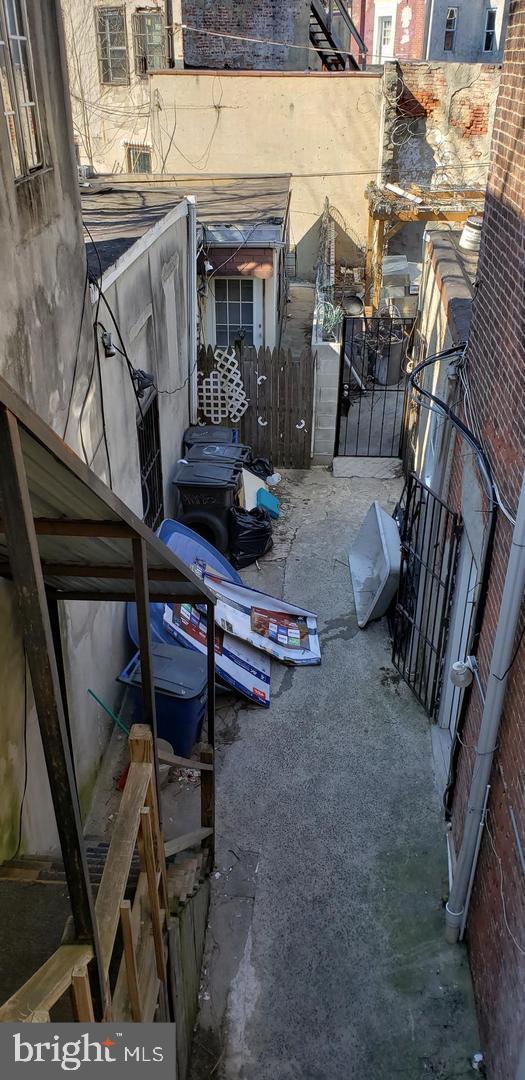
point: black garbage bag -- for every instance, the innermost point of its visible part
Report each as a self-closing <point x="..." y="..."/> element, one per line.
<point x="261" y="466"/>
<point x="250" y="535"/>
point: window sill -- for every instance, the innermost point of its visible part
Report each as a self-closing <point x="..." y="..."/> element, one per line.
<point x="43" y="171"/>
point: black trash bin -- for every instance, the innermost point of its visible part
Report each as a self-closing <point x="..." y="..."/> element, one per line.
<point x="209" y="433"/>
<point x="207" y="491"/>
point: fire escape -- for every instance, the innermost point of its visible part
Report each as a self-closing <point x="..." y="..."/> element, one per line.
<point x="335" y="36"/>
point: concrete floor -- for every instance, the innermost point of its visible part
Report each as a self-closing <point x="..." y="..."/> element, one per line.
<point x="326" y="954"/>
<point x="297" y="329"/>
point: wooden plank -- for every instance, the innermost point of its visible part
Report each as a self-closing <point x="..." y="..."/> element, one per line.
<point x="201" y="903"/>
<point x="47" y="985"/>
<point x="24" y="562"/>
<point x="181" y="763"/>
<point x="139" y="918"/>
<point x="41" y="1016"/>
<point x="208" y="801"/>
<point x="81" y="992"/>
<point x="189" y="964"/>
<point x="153" y="890"/>
<point x="179" y="996"/>
<point x="189" y="840"/>
<point x="210" y="670"/>
<point x="130" y="960"/>
<point x="140" y="567"/>
<point x="118" y="861"/>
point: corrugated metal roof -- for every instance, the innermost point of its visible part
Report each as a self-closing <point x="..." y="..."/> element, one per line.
<point x="84" y="531"/>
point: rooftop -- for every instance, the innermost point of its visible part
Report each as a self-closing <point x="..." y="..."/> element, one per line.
<point x="455" y="270"/>
<point x="124" y="209"/>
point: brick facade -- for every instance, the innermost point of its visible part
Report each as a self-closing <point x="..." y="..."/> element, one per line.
<point x="438" y="122"/>
<point x="409" y="28"/>
<point x="265" y="19"/>
<point x="497" y="373"/>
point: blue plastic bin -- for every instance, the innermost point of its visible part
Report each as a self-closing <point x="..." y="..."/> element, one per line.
<point x="181" y="693"/>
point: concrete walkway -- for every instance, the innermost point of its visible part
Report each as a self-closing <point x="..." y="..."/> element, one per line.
<point x="326" y="957"/>
<point x="297" y="329"/>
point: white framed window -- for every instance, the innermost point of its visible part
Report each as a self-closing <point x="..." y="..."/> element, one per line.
<point x="234" y="311"/>
<point x="138" y="158"/>
<point x="112" y="45"/>
<point x="451" y="25"/>
<point x="149" y="42"/>
<point x="489" y="36"/>
<point x="17" y="82"/>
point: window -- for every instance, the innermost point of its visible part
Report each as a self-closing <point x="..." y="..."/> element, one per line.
<point x="489" y="39"/>
<point x="384" y="37"/>
<point x="112" y="45"/>
<point x="233" y="311"/>
<point x="150" y="463"/>
<point x="139" y="159"/>
<point x="149" y="42"/>
<point x="451" y="25"/>
<point x="18" y="89"/>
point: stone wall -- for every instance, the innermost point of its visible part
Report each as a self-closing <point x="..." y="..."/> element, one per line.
<point x="264" y="19"/>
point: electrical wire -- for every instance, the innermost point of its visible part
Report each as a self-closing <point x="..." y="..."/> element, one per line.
<point x="501" y="889"/>
<point x="260" y="41"/>
<point x="95" y="364"/>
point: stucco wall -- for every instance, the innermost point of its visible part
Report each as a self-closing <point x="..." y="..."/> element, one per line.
<point x="321" y="128"/>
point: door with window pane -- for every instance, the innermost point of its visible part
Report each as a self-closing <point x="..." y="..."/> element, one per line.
<point x="234" y="311"/>
<point x="384" y="37"/>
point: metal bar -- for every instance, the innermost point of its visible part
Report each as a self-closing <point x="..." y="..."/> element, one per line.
<point x="210" y="638"/>
<point x="340" y="390"/>
<point x="142" y="600"/>
<point x="156" y="596"/>
<point x="38" y="640"/>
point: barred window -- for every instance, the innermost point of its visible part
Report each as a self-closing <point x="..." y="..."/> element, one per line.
<point x="112" y="45"/>
<point x="149" y="42"/>
<point x="17" y="83"/>
<point x="139" y="158"/>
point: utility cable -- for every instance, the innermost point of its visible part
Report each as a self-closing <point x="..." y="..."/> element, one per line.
<point x="261" y="41"/>
<point x="24" y="789"/>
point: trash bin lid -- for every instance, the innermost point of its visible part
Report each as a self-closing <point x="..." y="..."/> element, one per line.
<point x="177" y="671"/>
<point x="222" y="453"/>
<point x="207" y="474"/>
<point x="203" y="433"/>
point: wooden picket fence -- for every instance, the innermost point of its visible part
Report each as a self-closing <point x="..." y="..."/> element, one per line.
<point x="280" y="391"/>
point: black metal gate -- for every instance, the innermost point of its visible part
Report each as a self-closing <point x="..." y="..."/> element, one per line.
<point x="372" y="400"/>
<point x="430" y="536"/>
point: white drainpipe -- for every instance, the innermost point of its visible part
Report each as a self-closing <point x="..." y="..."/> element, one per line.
<point x="192" y="305"/>
<point x="502" y="653"/>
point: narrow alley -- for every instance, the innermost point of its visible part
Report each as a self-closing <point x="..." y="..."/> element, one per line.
<point x="326" y="954"/>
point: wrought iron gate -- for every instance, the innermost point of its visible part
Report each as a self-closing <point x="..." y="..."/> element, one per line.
<point x="430" y="536"/>
<point x="372" y="398"/>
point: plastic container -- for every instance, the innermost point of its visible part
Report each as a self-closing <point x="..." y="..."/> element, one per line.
<point x="222" y="453"/>
<point x="268" y="502"/>
<point x="180" y="693"/>
<point x="207" y="483"/>
<point x="375" y="563"/>
<point x="209" y="433"/>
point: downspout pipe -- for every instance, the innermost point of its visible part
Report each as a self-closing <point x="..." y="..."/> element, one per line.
<point x="502" y="653"/>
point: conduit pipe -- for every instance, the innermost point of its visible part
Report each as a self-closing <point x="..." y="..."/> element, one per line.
<point x="502" y="653"/>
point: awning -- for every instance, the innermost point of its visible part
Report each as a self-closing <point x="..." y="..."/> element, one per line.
<point x="250" y="262"/>
<point x="84" y="532"/>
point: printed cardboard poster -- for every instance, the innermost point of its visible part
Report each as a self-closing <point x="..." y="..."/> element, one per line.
<point x="237" y="663"/>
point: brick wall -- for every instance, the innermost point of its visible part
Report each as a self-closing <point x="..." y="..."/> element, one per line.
<point x="497" y="368"/>
<point x="438" y="122"/>
<point x="265" y="19"/>
<point x="409" y="28"/>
